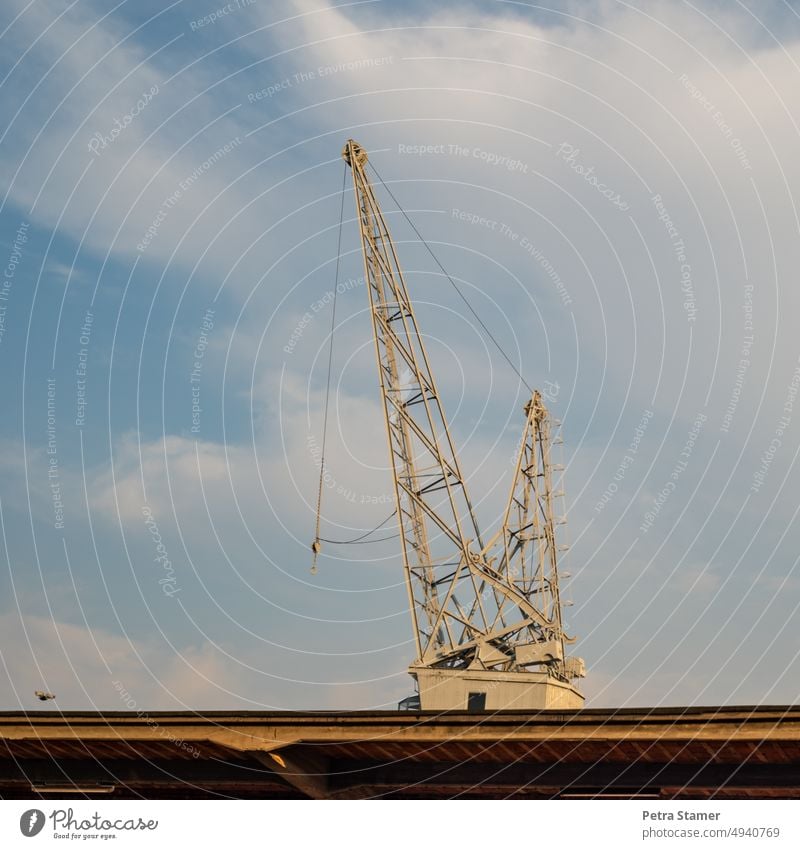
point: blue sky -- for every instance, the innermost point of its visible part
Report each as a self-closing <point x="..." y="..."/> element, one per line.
<point x="613" y="186"/>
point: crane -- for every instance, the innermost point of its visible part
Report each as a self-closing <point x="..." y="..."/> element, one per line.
<point x="486" y="614"/>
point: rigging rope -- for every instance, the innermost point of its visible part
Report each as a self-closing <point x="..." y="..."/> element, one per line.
<point x="452" y="282"/>
<point x="363" y="538"/>
<point x="316" y="546"/>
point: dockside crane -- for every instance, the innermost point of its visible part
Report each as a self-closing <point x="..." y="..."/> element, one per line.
<point x="486" y="614"/>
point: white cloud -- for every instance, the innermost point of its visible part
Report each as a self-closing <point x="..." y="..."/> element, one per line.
<point x="82" y="666"/>
<point x="657" y="99"/>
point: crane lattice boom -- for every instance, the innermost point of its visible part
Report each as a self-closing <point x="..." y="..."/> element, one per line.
<point x="475" y="607"/>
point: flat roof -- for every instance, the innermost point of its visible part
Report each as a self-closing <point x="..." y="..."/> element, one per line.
<point x="672" y="752"/>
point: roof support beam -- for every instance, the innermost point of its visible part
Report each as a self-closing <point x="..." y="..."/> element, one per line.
<point x="306" y="773"/>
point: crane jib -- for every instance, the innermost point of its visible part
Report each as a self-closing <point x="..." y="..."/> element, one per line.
<point x="481" y="613"/>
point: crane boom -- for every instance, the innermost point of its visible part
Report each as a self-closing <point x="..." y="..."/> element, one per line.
<point x="470" y="617"/>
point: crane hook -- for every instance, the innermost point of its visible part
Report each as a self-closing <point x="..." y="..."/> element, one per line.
<point x="316" y="547"/>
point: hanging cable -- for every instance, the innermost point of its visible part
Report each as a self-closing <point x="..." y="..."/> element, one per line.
<point x="363" y="538"/>
<point x="316" y="546"/>
<point x="452" y="282"/>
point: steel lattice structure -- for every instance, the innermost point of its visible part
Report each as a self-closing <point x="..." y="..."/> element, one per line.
<point x="474" y="605"/>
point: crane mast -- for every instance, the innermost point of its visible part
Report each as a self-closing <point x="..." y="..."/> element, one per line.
<point x="486" y="617"/>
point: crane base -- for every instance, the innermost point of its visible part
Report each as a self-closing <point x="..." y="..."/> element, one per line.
<point x="464" y="689"/>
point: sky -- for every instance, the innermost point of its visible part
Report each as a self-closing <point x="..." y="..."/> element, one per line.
<point x="612" y="186"/>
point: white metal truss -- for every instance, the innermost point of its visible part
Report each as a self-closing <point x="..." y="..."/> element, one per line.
<point x="474" y="606"/>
